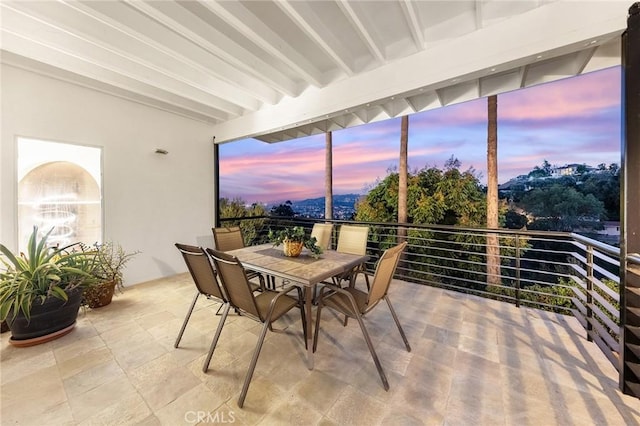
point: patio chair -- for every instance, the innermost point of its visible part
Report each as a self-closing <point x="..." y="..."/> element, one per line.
<point x="352" y="239"/>
<point x="322" y="232"/>
<point x="231" y="238"/>
<point x="204" y="277"/>
<point x="355" y="303"/>
<point x="265" y="307"/>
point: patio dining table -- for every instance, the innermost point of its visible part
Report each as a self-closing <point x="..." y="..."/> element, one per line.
<point x="304" y="271"/>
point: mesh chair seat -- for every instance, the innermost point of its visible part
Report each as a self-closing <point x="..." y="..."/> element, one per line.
<point x="342" y="303"/>
<point x="282" y="305"/>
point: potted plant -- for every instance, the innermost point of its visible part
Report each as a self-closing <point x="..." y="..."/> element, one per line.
<point x="293" y="240"/>
<point x="41" y="291"/>
<point x="111" y="261"/>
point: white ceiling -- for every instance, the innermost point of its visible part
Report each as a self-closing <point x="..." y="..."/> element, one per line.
<point x="282" y="69"/>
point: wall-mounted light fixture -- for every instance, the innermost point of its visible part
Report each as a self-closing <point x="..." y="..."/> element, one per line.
<point x="161" y="151"/>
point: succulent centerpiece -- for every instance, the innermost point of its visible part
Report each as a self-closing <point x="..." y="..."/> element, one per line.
<point x="294" y="239"/>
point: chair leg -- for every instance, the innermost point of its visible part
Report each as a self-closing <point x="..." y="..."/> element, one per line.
<point x="395" y="318"/>
<point x="317" y="327"/>
<point x="383" y="377"/>
<point x="214" y="342"/>
<point x="252" y="366"/>
<point x="303" y="317"/>
<point x="186" y="319"/>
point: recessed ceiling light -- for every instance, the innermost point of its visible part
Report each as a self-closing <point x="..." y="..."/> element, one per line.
<point x="393" y="97"/>
<point x="539" y="57"/>
<point x="493" y="69"/>
<point x="455" y="80"/>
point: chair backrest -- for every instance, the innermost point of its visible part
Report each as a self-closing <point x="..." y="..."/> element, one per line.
<point x="226" y="239"/>
<point x="385" y="269"/>
<point x="235" y="283"/>
<point x="201" y="270"/>
<point x="322" y="232"/>
<point x="353" y="239"/>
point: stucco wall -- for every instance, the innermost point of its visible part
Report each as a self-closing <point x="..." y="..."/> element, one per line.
<point x="150" y="201"/>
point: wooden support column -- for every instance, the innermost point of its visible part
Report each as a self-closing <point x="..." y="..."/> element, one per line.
<point x="630" y="206"/>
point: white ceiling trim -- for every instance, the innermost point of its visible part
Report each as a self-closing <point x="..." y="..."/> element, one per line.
<point x="544" y="33"/>
<point x="304" y="25"/>
<point x="411" y="14"/>
<point x="227" y="66"/>
<point x="235" y="14"/>
<point x="363" y="31"/>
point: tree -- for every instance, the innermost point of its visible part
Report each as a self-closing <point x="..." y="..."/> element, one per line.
<point x="402" y="177"/>
<point x="514" y="220"/>
<point x="557" y="208"/>
<point x="434" y="196"/>
<point x="237" y="208"/>
<point x="283" y="210"/>
<point x="231" y="208"/>
<point x="605" y="186"/>
<point x="543" y="171"/>
<point x="493" y="244"/>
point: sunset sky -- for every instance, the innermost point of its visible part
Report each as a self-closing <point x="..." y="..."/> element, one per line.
<point x="576" y="120"/>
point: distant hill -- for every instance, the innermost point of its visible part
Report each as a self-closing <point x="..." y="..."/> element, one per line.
<point x="338" y="200"/>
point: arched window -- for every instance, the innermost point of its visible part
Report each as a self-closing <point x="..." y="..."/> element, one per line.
<point x="62" y="194"/>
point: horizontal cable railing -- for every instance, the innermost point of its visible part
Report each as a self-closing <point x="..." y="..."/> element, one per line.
<point x="556" y="271"/>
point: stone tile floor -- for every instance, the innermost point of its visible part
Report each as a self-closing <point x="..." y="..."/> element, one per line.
<point x="474" y="362"/>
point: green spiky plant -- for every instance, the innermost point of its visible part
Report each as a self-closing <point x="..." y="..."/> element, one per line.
<point x="43" y="272"/>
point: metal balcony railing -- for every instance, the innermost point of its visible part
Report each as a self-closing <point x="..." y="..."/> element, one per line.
<point x="555" y="271"/>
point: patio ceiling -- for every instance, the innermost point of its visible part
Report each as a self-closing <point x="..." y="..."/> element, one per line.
<point x="281" y="69"/>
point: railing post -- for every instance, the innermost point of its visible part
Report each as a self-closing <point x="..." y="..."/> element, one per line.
<point x="589" y="293"/>
<point x="517" y="270"/>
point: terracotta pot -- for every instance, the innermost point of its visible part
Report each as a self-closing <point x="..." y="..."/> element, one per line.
<point x="100" y="295"/>
<point x="292" y="248"/>
<point x="52" y="319"/>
